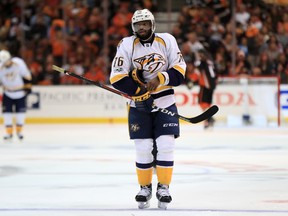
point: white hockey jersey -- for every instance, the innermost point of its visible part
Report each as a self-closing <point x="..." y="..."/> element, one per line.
<point x="161" y="55"/>
<point x="11" y="78"/>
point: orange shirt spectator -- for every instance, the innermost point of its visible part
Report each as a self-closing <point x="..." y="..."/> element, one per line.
<point x="58" y="44"/>
<point x="56" y="25"/>
<point x="96" y="74"/>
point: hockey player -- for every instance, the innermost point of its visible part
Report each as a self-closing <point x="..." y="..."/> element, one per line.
<point x="146" y="66"/>
<point x="206" y="77"/>
<point x="15" y="78"/>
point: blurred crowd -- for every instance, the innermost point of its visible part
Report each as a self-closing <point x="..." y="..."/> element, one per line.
<point x="69" y="33"/>
<point x="261" y="37"/>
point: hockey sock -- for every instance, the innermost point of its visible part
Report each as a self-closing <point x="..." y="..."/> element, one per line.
<point x="9" y="129"/>
<point x="144" y="176"/>
<point x="19" y="129"/>
<point x="164" y="174"/>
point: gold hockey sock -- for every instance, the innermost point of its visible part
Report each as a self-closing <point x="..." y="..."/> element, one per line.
<point x="9" y="130"/>
<point x="164" y="174"/>
<point x="144" y="176"/>
<point x="19" y="129"/>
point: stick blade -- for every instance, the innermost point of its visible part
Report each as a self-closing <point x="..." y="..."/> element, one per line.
<point x="59" y="69"/>
<point x="205" y="115"/>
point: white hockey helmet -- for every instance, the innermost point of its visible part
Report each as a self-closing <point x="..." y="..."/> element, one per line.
<point x="4" y="56"/>
<point x="143" y="15"/>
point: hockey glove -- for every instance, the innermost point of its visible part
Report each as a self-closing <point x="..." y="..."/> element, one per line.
<point x="143" y="100"/>
<point x="137" y="76"/>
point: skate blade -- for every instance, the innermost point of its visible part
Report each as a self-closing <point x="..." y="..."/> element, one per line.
<point x="143" y="205"/>
<point x="162" y="205"/>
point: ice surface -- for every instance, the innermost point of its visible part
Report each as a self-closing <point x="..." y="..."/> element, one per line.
<point x="83" y="170"/>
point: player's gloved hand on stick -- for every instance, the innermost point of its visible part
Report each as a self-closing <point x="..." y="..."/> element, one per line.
<point x="143" y="100"/>
<point x="137" y="76"/>
<point x="27" y="86"/>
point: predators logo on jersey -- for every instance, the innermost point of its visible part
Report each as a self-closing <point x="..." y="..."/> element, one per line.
<point x="134" y="127"/>
<point x="10" y="76"/>
<point x="152" y="62"/>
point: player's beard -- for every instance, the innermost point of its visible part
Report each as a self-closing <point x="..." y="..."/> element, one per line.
<point x="145" y="37"/>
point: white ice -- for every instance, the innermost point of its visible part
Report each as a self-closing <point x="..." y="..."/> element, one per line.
<point x="85" y="170"/>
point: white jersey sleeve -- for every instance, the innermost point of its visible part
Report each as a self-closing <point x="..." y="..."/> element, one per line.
<point x="122" y="64"/>
<point x="23" y="69"/>
<point x="175" y="57"/>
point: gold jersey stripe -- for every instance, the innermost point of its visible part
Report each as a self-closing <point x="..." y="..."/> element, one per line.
<point x="160" y="40"/>
<point x="180" y="69"/>
<point x="117" y="78"/>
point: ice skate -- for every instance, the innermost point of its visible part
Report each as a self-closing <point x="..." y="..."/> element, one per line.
<point x="209" y="123"/>
<point x="20" y="136"/>
<point x="8" y="137"/>
<point x="163" y="196"/>
<point x="144" y="196"/>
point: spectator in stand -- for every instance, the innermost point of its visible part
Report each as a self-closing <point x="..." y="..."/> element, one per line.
<point x="48" y="76"/>
<point x="97" y="72"/>
<point x="285" y="21"/>
<point x="36" y="68"/>
<point x="73" y="32"/>
<point x="251" y="34"/>
<point x="39" y="28"/>
<point x="193" y="42"/>
<point x="187" y="54"/>
<point x="260" y="44"/>
<point x="281" y="34"/>
<point x="284" y="76"/>
<point x="4" y="28"/>
<point x="282" y="67"/>
<point x="122" y="17"/>
<point x="242" y="67"/>
<point x="222" y="61"/>
<point x="242" y="15"/>
<point x="74" y="67"/>
<point x="274" y="48"/>
<point x="50" y="9"/>
<point x="94" y="28"/>
<point x="282" y="72"/>
<point x="14" y="36"/>
<point x="282" y="58"/>
<point x="244" y="45"/>
<point x="216" y="31"/>
<point x="177" y="32"/>
<point x="58" y="45"/>
<point x="184" y="20"/>
<point x="228" y="42"/>
<point x="77" y="10"/>
<point x="264" y="66"/>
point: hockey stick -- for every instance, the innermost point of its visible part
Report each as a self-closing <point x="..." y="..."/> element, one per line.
<point x="194" y="120"/>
